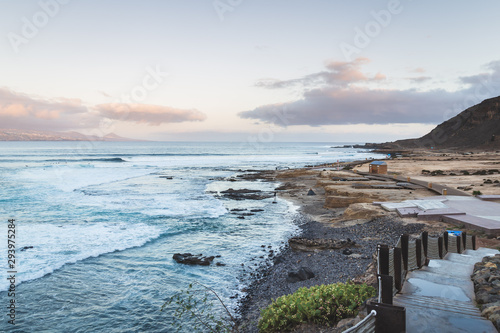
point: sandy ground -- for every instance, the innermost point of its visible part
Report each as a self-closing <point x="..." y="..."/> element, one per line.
<point x="453" y="167"/>
<point x="342" y="202"/>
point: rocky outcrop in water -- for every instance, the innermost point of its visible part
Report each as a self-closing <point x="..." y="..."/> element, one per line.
<point x="246" y="194"/>
<point x="191" y="259"/>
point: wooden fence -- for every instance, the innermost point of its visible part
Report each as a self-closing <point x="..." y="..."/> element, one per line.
<point x="393" y="263"/>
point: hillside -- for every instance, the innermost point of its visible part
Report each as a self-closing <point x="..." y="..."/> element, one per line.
<point x="477" y="127"/>
<point x="31" y="135"/>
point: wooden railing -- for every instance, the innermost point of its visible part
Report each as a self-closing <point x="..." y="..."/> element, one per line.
<point x="393" y="264"/>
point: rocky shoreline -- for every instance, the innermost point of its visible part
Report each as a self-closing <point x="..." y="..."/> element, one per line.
<point x="327" y="265"/>
<point x="343" y="226"/>
<point x="486" y="278"/>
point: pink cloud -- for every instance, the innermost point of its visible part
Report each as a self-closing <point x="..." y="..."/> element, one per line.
<point x="13" y="110"/>
<point x="340" y="101"/>
<point x="148" y="114"/>
<point x="21" y="111"/>
<point x="338" y="73"/>
<point x="418" y="70"/>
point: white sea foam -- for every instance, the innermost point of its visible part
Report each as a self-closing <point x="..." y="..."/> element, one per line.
<point x="57" y="245"/>
<point x="70" y="177"/>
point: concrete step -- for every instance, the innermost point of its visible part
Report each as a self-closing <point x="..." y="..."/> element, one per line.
<point x="430" y="320"/>
<point x="424" y="283"/>
<point x="440" y="297"/>
<point x="449" y="268"/>
<point x="463" y="308"/>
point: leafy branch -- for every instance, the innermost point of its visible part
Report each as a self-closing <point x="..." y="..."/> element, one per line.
<point x="196" y="305"/>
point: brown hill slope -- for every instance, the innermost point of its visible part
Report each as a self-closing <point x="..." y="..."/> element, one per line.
<point x="477" y="127"/>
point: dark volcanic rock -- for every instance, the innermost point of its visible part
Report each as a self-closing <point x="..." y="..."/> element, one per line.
<point x="190" y="259"/>
<point x="347" y="252"/>
<point x="302" y="274"/>
<point x="306" y="244"/>
<point x="486" y="278"/>
<point x="245" y="194"/>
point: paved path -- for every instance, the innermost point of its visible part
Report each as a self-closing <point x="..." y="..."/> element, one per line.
<point x="440" y="297"/>
<point x="438" y="188"/>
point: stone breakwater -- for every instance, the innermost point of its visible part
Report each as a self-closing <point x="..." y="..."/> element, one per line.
<point x="486" y="278"/>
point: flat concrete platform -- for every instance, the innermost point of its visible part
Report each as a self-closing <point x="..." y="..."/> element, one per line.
<point x="489" y="197"/>
<point x="489" y="226"/>
<point x="435" y="214"/>
<point x="440" y="297"/>
<point x="471" y="212"/>
<point x="408" y="212"/>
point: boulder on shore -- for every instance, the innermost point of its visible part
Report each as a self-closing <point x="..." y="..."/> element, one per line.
<point x="341" y="201"/>
<point x="302" y="274"/>
<point x="245" y="194"/>
<point x="361" y="211"/>
<point x="486" y="278"/>
<point x="306" y="244"/>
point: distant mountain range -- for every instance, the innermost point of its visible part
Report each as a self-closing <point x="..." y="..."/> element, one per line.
<point x="31" y="135"/>
<point x="477" y="127"/>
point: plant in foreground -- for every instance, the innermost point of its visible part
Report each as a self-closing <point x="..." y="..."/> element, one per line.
<point x="324" y="304"/>
<point x="197" y="305"/>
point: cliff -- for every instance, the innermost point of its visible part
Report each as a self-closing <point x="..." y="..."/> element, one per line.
<point x="477" y="127"/>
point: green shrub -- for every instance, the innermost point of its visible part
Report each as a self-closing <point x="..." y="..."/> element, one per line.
<point x="476" y="193"/>
<point x="324" y="304"/>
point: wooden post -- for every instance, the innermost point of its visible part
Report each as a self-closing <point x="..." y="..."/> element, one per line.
<point x="445" y="241"/>
<point x="404" y="250"/>
<point x="418" y="250"/>
<point x="390" y="318"/>
<point x="464" y="240"/>
<point x="459" y="243"/>
<point x="444" y="191"/>
<point x="440" y="247"/>
<point x="425" y="241"/>
<point x="383" y="259"/>
<point x="473" y="242"/>
<point x="385" y="283"/>
<point x="398" y="276"/>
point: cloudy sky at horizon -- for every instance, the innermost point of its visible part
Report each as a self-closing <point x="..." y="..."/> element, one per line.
<point x="283" y="70"/>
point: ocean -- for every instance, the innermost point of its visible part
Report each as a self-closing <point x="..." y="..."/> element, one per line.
<point x="96" y="225"/>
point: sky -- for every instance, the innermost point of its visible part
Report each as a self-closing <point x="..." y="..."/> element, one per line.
<point x="245" y="70"/>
